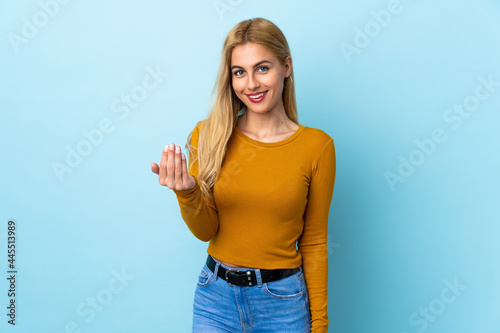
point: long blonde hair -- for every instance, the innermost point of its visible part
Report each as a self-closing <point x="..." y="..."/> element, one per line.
<point x="218" y="126"/>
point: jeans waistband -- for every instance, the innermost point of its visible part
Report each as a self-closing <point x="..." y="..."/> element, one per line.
<point x="245" y="276"/>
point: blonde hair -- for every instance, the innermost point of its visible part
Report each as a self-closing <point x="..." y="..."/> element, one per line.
<point x="218" y="126"/>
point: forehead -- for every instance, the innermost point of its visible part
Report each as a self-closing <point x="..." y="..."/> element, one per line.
<point x="249" y="54"/>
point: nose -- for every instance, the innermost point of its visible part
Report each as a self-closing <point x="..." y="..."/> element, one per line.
<point x="253" y="82"/>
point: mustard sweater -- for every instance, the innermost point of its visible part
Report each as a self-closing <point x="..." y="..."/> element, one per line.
<point x="270" y="207"/>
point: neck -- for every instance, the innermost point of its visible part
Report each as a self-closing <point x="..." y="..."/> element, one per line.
<point x="264" y="124"/>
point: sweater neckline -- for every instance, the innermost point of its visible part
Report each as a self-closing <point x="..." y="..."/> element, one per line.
<point x="269" y="144"/>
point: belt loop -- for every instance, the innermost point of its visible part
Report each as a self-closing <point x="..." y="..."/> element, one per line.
<point x="259" y="277"/>
<point x="216" y="270"/>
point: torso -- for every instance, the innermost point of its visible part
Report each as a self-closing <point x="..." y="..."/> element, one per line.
<point x="294" y="128"/>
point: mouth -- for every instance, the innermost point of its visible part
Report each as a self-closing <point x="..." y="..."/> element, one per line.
<point x="257" y="97"/>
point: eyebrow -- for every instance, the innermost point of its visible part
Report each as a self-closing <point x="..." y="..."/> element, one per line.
<point x="257" y="64"/>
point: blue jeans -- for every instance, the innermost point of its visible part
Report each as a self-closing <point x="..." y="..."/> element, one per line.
<point x="276" y="306"/>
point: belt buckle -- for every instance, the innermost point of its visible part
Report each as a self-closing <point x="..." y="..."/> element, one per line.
<point x="248" y="274"/>
<point x="230" y="271"/>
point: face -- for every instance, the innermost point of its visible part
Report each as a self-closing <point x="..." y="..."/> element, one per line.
<point x="257" y="77"/>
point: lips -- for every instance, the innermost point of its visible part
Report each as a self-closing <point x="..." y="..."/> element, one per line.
<point x="257" y="97"/>
<point x="256" y="93"/>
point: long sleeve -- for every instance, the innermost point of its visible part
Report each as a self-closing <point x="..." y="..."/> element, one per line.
<point x="201" y="218"/>
<point x="312" y="244"/>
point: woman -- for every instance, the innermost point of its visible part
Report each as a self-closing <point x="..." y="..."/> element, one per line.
<point x="258" y="189"/>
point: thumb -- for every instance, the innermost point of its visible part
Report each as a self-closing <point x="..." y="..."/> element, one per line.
<point x="155" y="168"/>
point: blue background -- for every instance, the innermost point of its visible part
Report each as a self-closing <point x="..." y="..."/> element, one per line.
<point x="375" y="83"/>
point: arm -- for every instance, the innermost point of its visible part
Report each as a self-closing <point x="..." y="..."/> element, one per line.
<point x="200" y="216"/>
<point x="312" y="244"/>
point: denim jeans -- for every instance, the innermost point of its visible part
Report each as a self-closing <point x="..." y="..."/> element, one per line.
<point x="276" y="306"/>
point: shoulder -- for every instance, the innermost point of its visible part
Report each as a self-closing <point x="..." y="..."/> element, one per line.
<point x="195" y="133"/>
<point x="317" y="137"/>
<point x="201" y="123"/>
<point x="321" y="147"/>
<point x="198" y="127"/>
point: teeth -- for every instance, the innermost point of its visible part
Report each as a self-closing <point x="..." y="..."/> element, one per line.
<point x="257" y="96"/>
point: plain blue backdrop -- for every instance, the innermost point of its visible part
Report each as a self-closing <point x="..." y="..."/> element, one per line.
<point x="91" y="91"/>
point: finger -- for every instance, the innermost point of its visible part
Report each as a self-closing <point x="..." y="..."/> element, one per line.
<point x="162" y="175"/>
<point x="185" y="173"/>
<point x="170" y="166"/>
<point x="155" y="168"/>
<point x="178" y="167"/>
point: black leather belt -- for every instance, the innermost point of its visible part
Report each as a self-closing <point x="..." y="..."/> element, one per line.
<point x="238" y="277"/>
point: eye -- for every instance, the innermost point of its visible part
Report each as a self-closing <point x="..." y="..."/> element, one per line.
<point x="265" y="68"/>
<point x="236" y="73"/>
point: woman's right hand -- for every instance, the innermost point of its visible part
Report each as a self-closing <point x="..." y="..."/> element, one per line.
<point x="172" y="171"/>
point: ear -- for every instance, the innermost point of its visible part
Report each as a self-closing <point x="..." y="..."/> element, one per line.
<point x="288" y="66"/>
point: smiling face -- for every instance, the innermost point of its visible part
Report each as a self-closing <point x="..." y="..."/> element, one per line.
<point x="257" y="77"/>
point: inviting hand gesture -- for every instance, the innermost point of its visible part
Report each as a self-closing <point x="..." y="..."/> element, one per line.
<point x="173" y="171"/>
